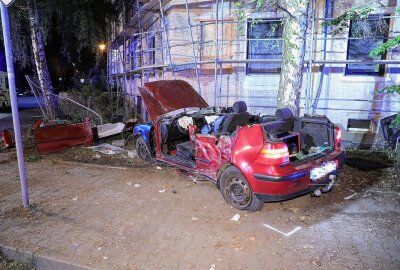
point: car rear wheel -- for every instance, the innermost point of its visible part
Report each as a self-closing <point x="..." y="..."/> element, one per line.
<point x="142" y="149"/>
<point x="237" y="192"/>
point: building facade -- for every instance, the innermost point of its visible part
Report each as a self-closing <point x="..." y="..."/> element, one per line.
<point x="226" y="59"/>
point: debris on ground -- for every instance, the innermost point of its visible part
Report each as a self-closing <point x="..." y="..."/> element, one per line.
<point x="236" y="217"/>
<point x="351" y="196"/>
<point x="107" y="149"/>
<point x="158" y="168"/>
<point x="132" y="154"/>
<point x="162" y="190"/>
<point x="137" y="185"/>
<point x="212" y="267"/>
<point x="118" y="143"/>
<point x="174" y="191"/>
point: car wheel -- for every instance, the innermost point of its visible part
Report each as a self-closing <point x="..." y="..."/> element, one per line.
<point x="142" y="149"/>
<point x="237" y="192"/>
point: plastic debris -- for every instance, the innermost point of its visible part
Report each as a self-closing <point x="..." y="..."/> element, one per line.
<point x="158" y="168"/>
<point x="351" y="196"/>
<point x="105" y="258"/>
<point x="195" y="218"/>
<point x="73" y="245"/>
<point x="236" y="217"/>
<point x="162" y="190"/>
<point x="75" y="199"/>
<point x="132" y="154"/>
<point x="212" y="267"/>
<point x="137" y="185"/>
<point x="97" y="156"/>
<point x="110" y="129"/>
<point x="99" y="248"/>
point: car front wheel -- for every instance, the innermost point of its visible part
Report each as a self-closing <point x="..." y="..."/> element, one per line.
<point x="142" y="149"/>
<point x="237" y="192"/>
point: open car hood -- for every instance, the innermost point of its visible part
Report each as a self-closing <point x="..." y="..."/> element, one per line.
<point x="161" y="97"/>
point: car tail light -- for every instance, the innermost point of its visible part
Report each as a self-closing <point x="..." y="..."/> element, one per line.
<point x="274" y="153"/>
<point x="338" y="136"/>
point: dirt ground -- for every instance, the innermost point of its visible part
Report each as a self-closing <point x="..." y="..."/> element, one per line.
<point x="138" y="216"/>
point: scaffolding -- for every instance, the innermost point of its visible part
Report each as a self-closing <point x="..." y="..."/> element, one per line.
<point x="141" y="56"/>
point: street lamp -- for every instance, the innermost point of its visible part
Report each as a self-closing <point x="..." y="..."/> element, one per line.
<point x="102" y="47"/>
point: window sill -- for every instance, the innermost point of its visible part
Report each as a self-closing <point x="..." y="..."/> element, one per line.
<point x="365" y="78"/>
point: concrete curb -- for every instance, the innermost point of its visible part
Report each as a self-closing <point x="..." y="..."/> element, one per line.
<point x="39" y="262"/>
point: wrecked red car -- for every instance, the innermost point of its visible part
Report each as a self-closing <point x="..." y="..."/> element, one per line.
<point x="251" y="158"/>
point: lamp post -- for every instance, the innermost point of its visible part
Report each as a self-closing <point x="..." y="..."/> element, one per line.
<point x="13" y="98"/>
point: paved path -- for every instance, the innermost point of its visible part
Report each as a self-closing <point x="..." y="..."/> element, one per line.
<point x="146" y="218"/>
<point x="26" y="118"/>
<point x="4" y="115"/>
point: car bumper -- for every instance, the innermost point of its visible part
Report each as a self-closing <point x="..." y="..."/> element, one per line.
<point x="279" y="188"/>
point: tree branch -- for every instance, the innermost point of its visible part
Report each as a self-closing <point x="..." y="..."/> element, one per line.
<point x="285" y="10"/>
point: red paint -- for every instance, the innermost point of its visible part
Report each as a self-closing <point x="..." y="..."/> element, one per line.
<point x="7" y="138"/>
<point x="59" y="137"/>
<point x="166" y="96"/>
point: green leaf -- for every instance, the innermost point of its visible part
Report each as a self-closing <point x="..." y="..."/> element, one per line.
<point x="388" y="45"/>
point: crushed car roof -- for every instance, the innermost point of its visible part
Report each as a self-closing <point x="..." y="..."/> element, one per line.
<point x="161" y="97"/>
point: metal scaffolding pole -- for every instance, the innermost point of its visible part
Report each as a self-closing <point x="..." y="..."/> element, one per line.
<point x="193" y="48"/>
<point x="309" y="84"/>
<point x="166" y="37"/>
<point x="216" y="51"/>
<point x="141" y="42"/>
<point x="222" y="52"/>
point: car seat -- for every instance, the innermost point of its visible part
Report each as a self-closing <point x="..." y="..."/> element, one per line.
<point x="239" y="117"/>
<point x="284" y="121"/>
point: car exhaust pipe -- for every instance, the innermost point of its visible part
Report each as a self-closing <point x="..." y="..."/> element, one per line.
<point x="329" y="186"/>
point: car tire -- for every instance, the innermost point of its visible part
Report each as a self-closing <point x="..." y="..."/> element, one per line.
<point x="237" y="192"/>
<point x="142" y="149"/>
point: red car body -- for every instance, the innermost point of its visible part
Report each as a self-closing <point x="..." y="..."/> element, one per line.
<point x="264" y="163"/>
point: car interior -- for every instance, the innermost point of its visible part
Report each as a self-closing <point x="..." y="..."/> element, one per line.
<point x="282" y="126"/>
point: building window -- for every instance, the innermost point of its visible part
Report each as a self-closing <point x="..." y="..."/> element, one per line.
<point x="264" y="42"/>
<point x="365" y="35"/>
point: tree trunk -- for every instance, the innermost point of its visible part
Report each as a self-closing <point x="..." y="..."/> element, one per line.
<point x="294" y="49"/>
<point x="41" y="62"/>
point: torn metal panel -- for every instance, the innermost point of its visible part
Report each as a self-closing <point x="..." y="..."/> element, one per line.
<point x="56" y="138"/>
